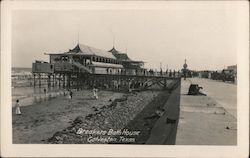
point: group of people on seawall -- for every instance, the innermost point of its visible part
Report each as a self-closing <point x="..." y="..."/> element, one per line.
<point x="168" y="73"/>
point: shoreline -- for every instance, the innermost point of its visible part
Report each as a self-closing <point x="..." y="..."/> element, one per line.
<point x="40" y="121"/>
<point x="28" y="96"/>
<point x="64" y="121"/>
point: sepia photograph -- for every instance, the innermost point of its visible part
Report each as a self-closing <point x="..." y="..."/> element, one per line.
<point x="115" y="73"/>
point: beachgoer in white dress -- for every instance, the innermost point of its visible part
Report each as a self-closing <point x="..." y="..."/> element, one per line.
<point x="69" y="96"/>
<point x="17" y="106"/>
<point x="95" y="93"/>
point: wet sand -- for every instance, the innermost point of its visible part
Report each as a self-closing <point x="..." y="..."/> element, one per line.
<point x="40" y="121"/>
<point x="30" y="95"/>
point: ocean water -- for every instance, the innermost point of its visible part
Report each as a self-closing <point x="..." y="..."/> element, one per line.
<point x="27" y="94"/>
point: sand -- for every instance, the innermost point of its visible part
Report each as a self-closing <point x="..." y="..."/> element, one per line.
<point x="40" y="121"/>
<point x="125" y="114"/>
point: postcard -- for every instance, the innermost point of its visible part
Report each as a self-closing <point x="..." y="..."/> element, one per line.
<point x="125" y="79"/>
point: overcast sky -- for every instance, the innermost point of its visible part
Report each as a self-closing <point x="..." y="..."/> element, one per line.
<point x="205" y="36"/>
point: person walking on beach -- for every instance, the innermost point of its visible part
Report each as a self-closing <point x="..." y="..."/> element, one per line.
<point x="71" y="94"/>
<point x="17" y="106"/>
<point x="95" y="92"/>
<point x="44" y="90"/>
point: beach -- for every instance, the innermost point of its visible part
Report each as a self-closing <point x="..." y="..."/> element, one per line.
<point x="40" y="121"/>
<point x="132" y="118"/>
<point x="51" y="117"/>
<point x="43" y="121"/>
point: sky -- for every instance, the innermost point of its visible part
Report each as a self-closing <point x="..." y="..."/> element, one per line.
<point x="205" y="36"/>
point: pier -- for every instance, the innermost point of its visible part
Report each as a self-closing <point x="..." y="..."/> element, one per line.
<point x="88" y="67"/>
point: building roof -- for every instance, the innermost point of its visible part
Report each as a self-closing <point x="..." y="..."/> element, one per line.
<point x="119" y="55"/>
<point x="87" y="50"/>
<point x="81" y="49"/>
<point x="122" y="56"/>
<point x="114" y="51"/>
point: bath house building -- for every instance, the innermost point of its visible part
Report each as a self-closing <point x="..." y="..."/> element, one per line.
<point x="86" y="59"/>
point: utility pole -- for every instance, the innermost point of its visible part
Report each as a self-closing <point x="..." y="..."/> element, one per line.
<point x="113" y="41"/>
<point x="78" y="38"/>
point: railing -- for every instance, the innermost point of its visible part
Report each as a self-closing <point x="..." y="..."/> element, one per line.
<point x="62" y="67"/>
<point x="68" y="67"/>
<point x="42" y="67"/>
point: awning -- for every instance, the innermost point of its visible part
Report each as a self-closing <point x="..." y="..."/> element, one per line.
<point x="106" y="65"/>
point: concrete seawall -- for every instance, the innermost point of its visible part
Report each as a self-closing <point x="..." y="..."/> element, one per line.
<point x="198" y="120"/>
<point x="164" y="131"/>
<point x="203" y="119"/>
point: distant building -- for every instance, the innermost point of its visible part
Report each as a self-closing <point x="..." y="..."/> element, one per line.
<point x="233" y="71"/>
<point x="232" y="68"/>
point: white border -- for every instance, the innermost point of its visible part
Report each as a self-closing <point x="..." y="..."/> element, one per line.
<point x="8" y="149"/>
